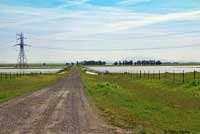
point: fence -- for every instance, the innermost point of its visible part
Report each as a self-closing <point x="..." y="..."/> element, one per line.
<point x="11" y="76"/>
<point x="176" y="77"/>
<point x="182" y="77"/>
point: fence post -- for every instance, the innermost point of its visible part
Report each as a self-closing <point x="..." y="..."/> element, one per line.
<point x="144" y="74"/>
<point x="102" y="79"/>
<point x="6" y="75"/>
<point x="140" y="74"/>
<point x="159" y="74"/>
<point x="153" y="74"/>
<point x="183" y="76"/>
<point x="1" y="76"/>
<point x="194" y="75"/>
<point x="148" y="74"/>
<point x="173" y="75"/>
<point x="10" y="76"/>
<point x="132" y="74"/>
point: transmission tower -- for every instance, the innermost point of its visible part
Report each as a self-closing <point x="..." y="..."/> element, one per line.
<point x="22" y="61"/>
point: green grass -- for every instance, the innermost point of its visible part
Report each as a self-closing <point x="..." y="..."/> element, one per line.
<point x="147" y="106"/>
<point x="22" y="85"/>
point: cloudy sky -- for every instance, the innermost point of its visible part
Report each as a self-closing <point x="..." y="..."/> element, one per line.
<point x="70" y="30"/>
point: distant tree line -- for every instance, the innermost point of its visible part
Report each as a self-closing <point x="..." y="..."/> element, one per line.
<point x="139" y="62"/>
<point x="91" y="63"/>
<point x="148" y="62"/>
<point x="125" y="62"/>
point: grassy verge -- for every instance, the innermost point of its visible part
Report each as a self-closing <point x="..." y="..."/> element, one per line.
<point x="147" y="106"/>
<point x="10" y="89"/>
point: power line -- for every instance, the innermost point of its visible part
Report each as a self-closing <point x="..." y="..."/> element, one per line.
<point x="169" y="34"/>
<point x="131" y="49"/>
<point x="136" y="37"/>
<point x="139" y="37"/>
<point x="121" y="49"/>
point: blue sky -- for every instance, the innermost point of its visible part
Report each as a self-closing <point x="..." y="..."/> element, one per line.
<point x="100" y="25"/>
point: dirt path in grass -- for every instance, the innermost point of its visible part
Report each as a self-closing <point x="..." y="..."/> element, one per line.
<point x="59" y="109"/>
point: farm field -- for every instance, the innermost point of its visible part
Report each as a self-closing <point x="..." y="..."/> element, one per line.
<point x="145" y="105"/>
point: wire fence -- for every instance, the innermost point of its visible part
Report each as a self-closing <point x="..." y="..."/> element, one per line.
<point x="176" y="77"/>
<point x="180" y="77"/>
<point x="11" y="76"/>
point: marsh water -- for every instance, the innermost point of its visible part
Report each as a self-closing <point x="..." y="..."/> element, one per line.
<point x="28" y="71"/>
<point x="147" y="69"/>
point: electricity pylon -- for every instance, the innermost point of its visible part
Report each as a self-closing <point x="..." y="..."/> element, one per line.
<point x="22" y="61"/>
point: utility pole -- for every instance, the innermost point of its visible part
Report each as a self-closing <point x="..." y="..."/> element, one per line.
<point x="22" y="61"/>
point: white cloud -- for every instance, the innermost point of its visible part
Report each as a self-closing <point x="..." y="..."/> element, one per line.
<point x="96" y="20"/>
<point x="130" y="2"/>
<point x="149" y="20"/>
<point x="68" y="3"/>
<point x="85" y="22"/>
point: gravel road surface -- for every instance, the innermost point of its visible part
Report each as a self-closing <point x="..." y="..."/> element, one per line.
<point x="61" y="108"/>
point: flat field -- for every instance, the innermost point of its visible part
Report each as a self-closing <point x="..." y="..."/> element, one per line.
<point x="147" y="105"/>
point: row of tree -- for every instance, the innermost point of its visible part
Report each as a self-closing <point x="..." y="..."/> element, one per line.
<point x="148" y="62"/>
<point x="124" y="62"/>
<point x="91" y="63"/>
<point x="139" y="62"/>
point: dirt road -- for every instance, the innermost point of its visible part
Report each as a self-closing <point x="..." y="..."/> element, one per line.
<point x="59" y="109"/>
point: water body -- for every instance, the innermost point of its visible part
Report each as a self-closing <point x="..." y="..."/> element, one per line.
<point x="146" y="69"/>
<point x="28" y="71"/>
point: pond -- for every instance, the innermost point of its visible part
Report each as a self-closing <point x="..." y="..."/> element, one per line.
<point x="28" y="71"/>
<point x="147" y="69"/>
